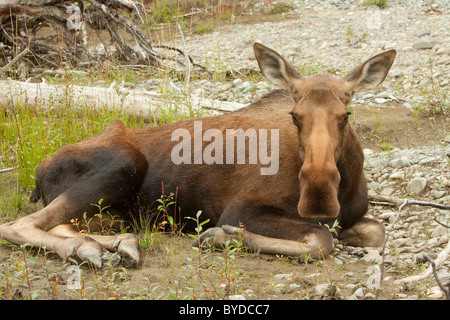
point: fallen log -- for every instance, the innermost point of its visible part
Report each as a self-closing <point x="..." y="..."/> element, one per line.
<point x="150" y="105"/>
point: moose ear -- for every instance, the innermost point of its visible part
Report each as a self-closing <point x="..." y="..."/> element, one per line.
<point x="274" y="67"/>
<point x="371" y="73"/>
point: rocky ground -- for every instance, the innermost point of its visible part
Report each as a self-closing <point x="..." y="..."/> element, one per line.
<point x="403" y="126"/>
<point x="334" y="36"/>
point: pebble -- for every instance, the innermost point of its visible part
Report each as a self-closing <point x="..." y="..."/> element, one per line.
<point x="283" y="276"/>
<point x="417" y="185"/>
<point x="359" y="293"/>
<point x="425" y="44"/>
<point x="320" y="289"/>
<point x="439" y="231"/>
<point x="400" y="163"/>
<point x="373" y="256"/>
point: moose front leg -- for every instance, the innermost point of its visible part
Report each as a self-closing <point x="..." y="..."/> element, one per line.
<point x="32" y="229"/>
<point x="365" y="233"/>
<point x="308" y="244"/>
<point x="48" y="228"/>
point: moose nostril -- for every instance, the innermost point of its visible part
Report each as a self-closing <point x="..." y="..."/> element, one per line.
<point x="319" y="193"/>
<point x="318" y="209"/>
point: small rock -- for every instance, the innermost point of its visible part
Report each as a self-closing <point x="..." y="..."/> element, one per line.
<point x="399" y="242"/>
<point x="387" y="215"/>
<point x="283" y="276"/>
<point x="369" y="296"/>
<point x="438" y="194"/>
<point x="387" y="192"/>
<point x="417" y="185"/>
<point x="236" y="297"/>
<point x="420" y="258"/>
<point x="396" y="175"/>
<point x="236" y="82"/>
<point x="380" y="100"/>
<point x="359" y="293"/>
<point x="400" y="163"/>
<point x="425" y="44"/>
<point x="435" y="293"/>
<point x="373" y="256"/>
<point x="439" y="231"/>
<point x="321" y="289"/>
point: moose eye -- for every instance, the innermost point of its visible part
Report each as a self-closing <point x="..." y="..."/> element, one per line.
<point x="346" y="118"/>
<point x="294" y="119"/>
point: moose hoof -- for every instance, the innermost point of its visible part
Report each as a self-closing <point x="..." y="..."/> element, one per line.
<point x="206" y="239"/>
<point x="129" y="254"/>
<point x="231" y="229"/>
<point x="91" y="254"/>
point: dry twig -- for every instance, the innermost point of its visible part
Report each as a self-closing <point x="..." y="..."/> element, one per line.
<point x="435" y="264"/>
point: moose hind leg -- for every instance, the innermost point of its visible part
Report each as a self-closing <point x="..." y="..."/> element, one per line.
<point x="114" y="175"/>
<point x="365" y="233"/>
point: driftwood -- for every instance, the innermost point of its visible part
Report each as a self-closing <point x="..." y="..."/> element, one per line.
<point x="434" y="264"/>
<point x="56" y="33"/>
<point x="133" y="102"/>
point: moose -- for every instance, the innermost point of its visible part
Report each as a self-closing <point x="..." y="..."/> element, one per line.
<point x="318" y="180"/>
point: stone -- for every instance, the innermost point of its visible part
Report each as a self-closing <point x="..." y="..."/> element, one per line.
<point x="439" y="231"/>
<point x="400" y="163"/>
<point x="373" y="256"/>
<point x="283" y="276"/>
<point x="359" y="293"/>
<point x="387" y="192"/>
<point x="425" y="44"/>
<point x="321" y="289"/>
<point x="399" y="242"/>
<point x="236" y="82"/>
<point x="417" y="185"/>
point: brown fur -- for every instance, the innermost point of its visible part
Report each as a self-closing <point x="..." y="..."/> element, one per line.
<point x="320" y="172"/>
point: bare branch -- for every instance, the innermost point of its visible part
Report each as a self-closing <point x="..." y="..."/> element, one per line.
<point x="18" y="57"/>
<point x="433" y="265"/>
<point x="397" y="201"/>
<point x="401" y="204"/>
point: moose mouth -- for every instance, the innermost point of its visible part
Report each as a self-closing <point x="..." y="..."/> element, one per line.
<point x="319" y="193"/>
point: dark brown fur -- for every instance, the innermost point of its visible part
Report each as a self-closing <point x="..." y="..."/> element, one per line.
<point x="320" y="176"/>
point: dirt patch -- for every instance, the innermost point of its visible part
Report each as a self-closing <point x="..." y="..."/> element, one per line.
<point x="176" y="271"/>
<point x="395" y="126"/>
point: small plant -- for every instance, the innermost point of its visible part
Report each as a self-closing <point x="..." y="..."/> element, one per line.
<point x="380" y="3"/>
<point x="333" y="228"/>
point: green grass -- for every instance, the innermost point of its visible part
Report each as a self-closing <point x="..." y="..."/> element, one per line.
<point x="31" y="133"/>
<point x="380" y="3"/>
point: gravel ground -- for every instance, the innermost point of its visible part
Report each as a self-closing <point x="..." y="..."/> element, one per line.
<point x="334" y="36"/>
